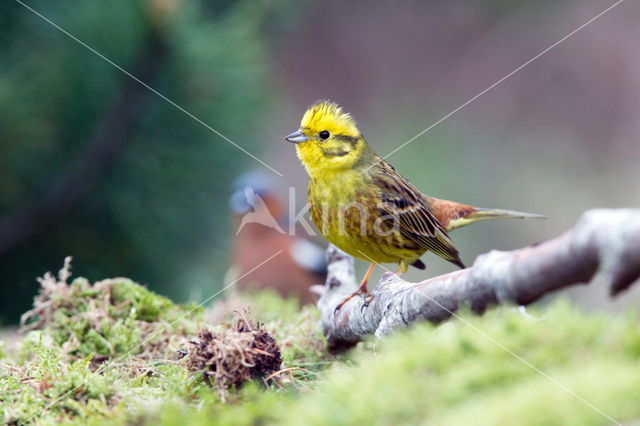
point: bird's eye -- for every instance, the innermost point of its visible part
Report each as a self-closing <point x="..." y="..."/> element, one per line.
<point x="324" y="135"/>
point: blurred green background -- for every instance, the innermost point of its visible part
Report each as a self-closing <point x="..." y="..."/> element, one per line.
<point x="94" y="165"/>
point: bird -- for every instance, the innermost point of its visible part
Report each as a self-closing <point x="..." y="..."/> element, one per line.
<point x="259" y="213"/>
<point x="362" y="205"/>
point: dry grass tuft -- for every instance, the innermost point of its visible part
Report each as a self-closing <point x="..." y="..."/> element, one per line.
<point x="233" y="356"/>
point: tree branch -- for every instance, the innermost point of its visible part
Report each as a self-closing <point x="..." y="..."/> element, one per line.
<point x="604" y="241"/>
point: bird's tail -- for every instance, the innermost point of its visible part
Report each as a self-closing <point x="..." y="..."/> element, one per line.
<point x="454" y="215"/>
<point x="486" y="214"/>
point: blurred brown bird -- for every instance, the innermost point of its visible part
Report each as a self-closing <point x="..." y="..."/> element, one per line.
<point x="257" y="207"/>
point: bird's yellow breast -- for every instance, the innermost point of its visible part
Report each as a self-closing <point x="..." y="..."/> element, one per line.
<point x="345" y="208"/>
<point x="345" y="202"/>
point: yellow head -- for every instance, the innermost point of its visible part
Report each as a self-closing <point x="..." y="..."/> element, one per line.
<point x="328" y="139"/>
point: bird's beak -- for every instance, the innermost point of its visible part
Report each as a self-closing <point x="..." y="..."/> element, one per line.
<point x="296" y="137"/>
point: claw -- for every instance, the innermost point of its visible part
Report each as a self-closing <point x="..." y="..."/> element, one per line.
<point x="351" y="296"/>
<point x="367" y="296"/>
<point x="362" y="290"/>
<point x="367" y="299"/>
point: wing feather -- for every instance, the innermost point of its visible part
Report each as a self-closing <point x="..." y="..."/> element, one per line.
<point x="407" y="207"/>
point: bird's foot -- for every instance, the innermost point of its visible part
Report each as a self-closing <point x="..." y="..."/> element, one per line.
<point x="359" y="292"/>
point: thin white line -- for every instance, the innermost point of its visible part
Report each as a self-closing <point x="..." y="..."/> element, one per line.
<point x="500" y="81"/>
<point x="105" y="366"/>
<point x="518" y="357"/>
<point x="149" y="87"/>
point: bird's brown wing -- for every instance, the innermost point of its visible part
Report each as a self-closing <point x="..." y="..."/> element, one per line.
<point x="406" y="207"/>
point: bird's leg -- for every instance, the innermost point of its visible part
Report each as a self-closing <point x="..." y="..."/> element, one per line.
<point x="402" y="267"/>
<point x="362" y="288"/>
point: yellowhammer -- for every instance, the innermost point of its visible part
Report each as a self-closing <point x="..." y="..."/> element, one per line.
<point x="360" y="203"/>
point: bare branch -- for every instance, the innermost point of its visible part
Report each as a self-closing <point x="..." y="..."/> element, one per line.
<point x="604" y="241"/>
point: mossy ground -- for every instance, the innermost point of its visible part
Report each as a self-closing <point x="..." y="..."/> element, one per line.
<point x="115" y="360"/>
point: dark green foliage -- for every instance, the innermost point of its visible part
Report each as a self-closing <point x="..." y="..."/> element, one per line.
<point x="156" y="208"/>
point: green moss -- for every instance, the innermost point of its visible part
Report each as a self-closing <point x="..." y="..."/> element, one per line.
<point x="492" y="369"/>
<point x="502" y="368"/>
<point x="48" y="388"/>
<point x="131" y="300"/>
<point x="267" y="306"/>
<point x="110" y="318"/>
<point x="589" y="399"/>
